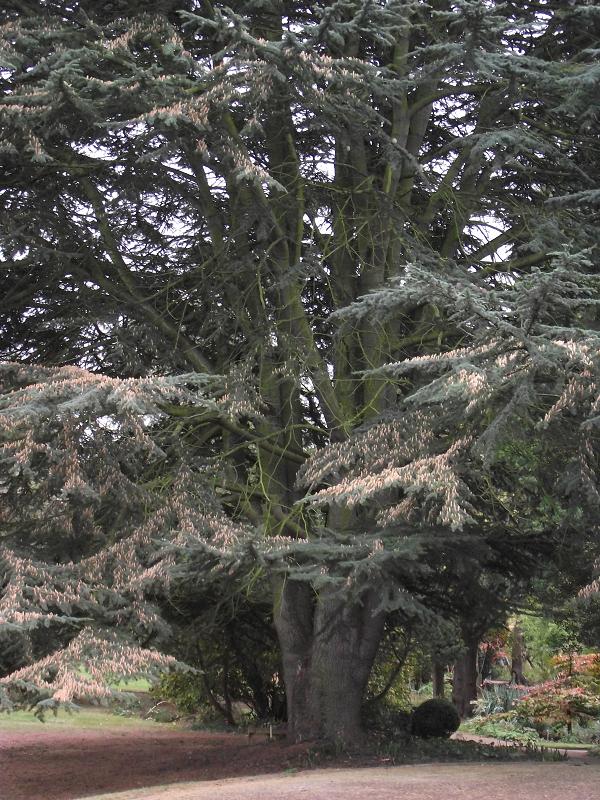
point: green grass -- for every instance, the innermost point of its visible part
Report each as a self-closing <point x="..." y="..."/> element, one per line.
<point x="517" y="736"/>
<point x="136" y="685"/>
<point x="132" y="685"/>
<point x="87" y="718"/>
<point x="566" y="745"/>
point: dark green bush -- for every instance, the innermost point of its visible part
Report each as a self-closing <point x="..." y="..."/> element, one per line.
<point x="387" y="720"/>
<point x="184" y="689"/>
<point x="435" y="718"/>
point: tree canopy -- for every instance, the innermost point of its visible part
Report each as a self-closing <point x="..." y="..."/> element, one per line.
<point x="363" y="238"/>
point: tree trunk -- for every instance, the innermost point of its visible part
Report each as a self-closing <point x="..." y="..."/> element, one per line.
<point x="464" y="686"/>
<point x="517" y="656"/>
<point x="328" y="648"/>
<point x="437" y="676"/>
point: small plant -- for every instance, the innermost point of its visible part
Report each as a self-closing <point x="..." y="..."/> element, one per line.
<point x="428" y="750"/>
<point x="185" y="690"/>
<point x="504" y="726"/>
<point x="562" y="707"/>
<point x="579" y="664"/>
<point x="162" y="712"/>
<point x="435" y="718"/>
<point x="496" y="699"/>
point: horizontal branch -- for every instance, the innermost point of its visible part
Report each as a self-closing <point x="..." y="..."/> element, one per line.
<point x="228" y="425"/>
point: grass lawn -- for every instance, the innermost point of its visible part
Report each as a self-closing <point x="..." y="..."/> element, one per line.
<point x="136" y="685"/>
<point x="468" y="729"/>
<point x="132" y="685"/>
<point x="566" y="745"/>
<point x="88" y="718"/>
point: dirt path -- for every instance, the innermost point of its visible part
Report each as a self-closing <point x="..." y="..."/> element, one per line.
<point x="428" y="782"/>
<point x="63" y="765"/>
<point x="160" y="763"/>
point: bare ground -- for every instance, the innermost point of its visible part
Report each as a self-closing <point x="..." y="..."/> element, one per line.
<point x="159" y="763"/>
<point x="63" y="765"/>
<point x="427" y="782"/>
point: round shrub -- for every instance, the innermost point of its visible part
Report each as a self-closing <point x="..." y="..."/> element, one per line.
<point x="436" y="717"/>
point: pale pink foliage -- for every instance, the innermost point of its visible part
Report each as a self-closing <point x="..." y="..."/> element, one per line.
<point x="83" y="669"/>
<point x="389" y="458"/>
<point x="593" y="587"/>
<point x="82" y="426"/>
<point x="411" y="468"/>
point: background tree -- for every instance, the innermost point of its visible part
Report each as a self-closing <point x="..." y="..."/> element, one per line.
<point x="226" y="632"/>
<point x="294" y="197"/>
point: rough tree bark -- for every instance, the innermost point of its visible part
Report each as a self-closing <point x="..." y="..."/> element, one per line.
<point x="437" y="675"/>
<point x="464" y="686"/>
<point x="328" y="647"/>
<point x="517" y="656"/>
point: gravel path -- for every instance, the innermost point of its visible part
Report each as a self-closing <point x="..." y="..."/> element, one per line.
<point x="566" y="781"/>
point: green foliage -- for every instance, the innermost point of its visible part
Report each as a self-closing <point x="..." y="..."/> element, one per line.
<point x="573" y="696"/>
<point x="91" y="718"/>
<point x="186" y="691"/>
<point x="510" y="727"/>
<point x="522" y="465"/>
<point x="435" y="718"/>
<point x="587" y="613"/>
<point x="496" y="700"/>
<point x="389" y="687"/>
<point x="15" y="650"/>
<point x="449" y="750"/>
<point x="397" y="751"/>
<point x="566" y="707"/>
<point x="365" y="236"/>
<point x="559" y="703"/>
<point x="544" y="638"/>
<point x="506" y="726"/>
<point x="225" y="630"/>
<point x="388" y="721"/>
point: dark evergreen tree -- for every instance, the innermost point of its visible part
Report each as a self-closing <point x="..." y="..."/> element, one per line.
<point x="377" y="222"/>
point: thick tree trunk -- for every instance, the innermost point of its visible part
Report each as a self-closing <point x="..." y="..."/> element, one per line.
<point x="327" y="651"/>
<point x="437" y="676"/>
<point x="464" y="686"/>
<point x="293" y="616"/>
